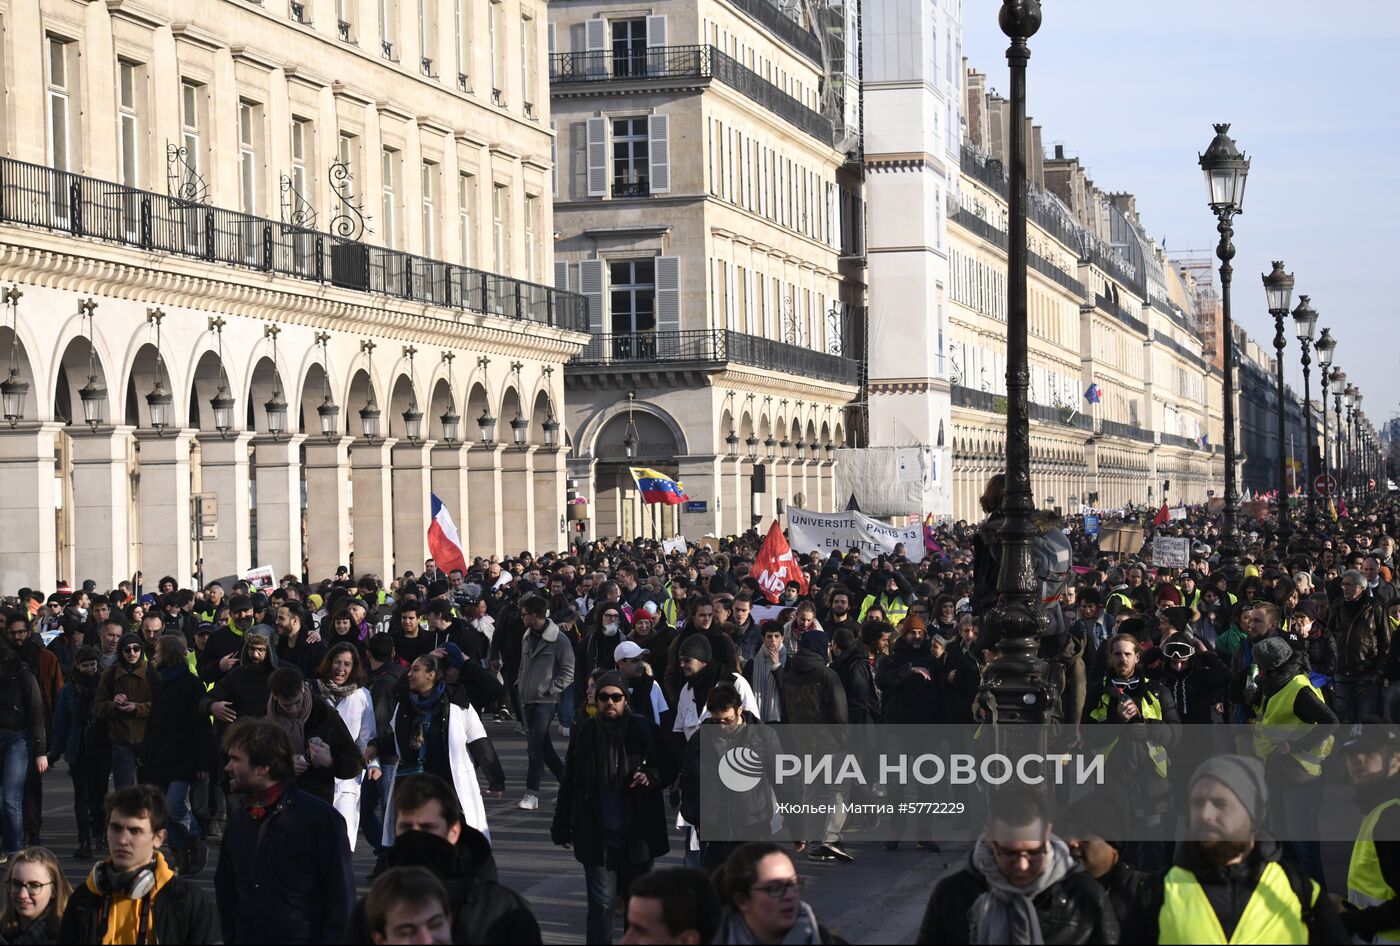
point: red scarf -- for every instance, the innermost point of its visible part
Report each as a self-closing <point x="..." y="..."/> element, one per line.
<point x="259" y="805"/>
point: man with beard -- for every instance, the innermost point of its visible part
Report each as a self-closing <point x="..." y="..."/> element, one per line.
<point x="701" y="674"/>
<point x="1229" y="882"/>
<point x="1371" y="911"/>
<point x="744" y="815"/>
<point x="839" y="613"/>
<point x="221" y="653"/>
<point x="720" y="645"/>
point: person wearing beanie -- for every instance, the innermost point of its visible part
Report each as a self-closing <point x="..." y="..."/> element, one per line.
<point x="1094" y="828"/>
<point x="1168" y="597"/>
<point x="1294" y="735"/>
<point x="1230" y="881"/>
<point x="611" y="808"/>
<point x="89" y="756"/>
<point x="123" y="699"/>
<point x="810" y="693"/>
<point x="702" y="673"/>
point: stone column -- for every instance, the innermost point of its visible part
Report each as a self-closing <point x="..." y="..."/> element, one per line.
<point x="763" y="502"/>
<point x="101" y="504"/>
<point x="278" y="494"/>
<point x="549" y="501"/>
<point x="373" y="499"/>
<point x="448" y="478"/>
<point x="485" y="519"/>
<point x="412" y="505"/>
<point x="702" y="476"/>
<point x="518" y="499"/>
<point x="728" y="517"/>
<point x="29" y="507"/>
<point x="607" y="500"/>
<point x="327" y="502"/>
<point x="167" y="547"/>
<point x="223" y="464"/>
<point x="826" y="473"/>
<point x="744" y="476"/>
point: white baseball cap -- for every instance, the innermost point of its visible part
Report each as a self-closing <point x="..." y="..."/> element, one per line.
<point x="627" y="650"/>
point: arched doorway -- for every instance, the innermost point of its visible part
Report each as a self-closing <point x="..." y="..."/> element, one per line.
<point x="655" y="445"/>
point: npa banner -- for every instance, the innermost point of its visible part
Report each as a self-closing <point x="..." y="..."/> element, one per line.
<point x="825" y="531"/>
<point x="775" y="566"/>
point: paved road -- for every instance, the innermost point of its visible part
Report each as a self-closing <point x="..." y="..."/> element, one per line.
<point x="877" y="899"/>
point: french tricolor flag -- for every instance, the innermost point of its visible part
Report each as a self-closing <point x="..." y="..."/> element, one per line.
<point x="443" y="541"/>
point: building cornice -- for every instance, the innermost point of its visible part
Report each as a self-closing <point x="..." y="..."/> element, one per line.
<point x="254" y="57"/>
<point x="135" y="13"/>
<point x="185" y="32"/>
<point x="46" y="260"/>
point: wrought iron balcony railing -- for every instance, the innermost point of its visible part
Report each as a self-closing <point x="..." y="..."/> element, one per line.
<point x="1121" y="314"/>
<point x="1112" y="428"/>
<point x="37" y="196"/>
<point x="996" y="404"/>
<point x="717" y="347"/>
<point x="687" y="62"/>
<point x="1176" y="440"/>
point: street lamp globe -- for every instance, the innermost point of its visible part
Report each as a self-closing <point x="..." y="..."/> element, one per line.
<point x="486" y="426"/>
<point x="1349" y="396"/>
<point x="161" y="403"/>
<point x="1305" y="321"/>
<point x="519" y="429"/>
<point x="770" y="444"/>
<point x="413" y="423"/>
<point x="751" y="442"/>
<point x="551" y="430"/>
<point x="731" y="443"/>
<point x="276" y="411"/>
<point x="369" y="418"/>
<point x="1325" y="346"/>
<point x="329" y="412"/>
<point x="1225" y="168"/>
<point x="451" y="425"/>
<point x="222" y="403"/>
<point x="13" y="391"/>
<point x="1278" y="288"/>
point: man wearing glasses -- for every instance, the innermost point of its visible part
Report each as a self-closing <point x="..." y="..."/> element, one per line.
<point x="1021" y="884"/>
<point x="610" y="807"/>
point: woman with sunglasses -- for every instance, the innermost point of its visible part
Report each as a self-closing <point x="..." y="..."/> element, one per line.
<point x="762" y="896"/>
<point x="36" y="894"/>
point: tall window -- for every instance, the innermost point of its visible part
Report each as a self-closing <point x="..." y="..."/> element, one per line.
<point x="629" y="46"/>
<point x="462" y="32"/>
<point x="527" y="65"/>
<point x="427" y="35"/>
<point x="531" y="208"/>
<point x="343" y="21"/>
<point x="497" y="37"/>
<point x="630" y="160"/>
<point x="499" y="213"/>
<point x="301" y="157"/>
<point x="191" y="107"/>
<point x="248" y="127"/>
<point x="348" y="152"/>
<point x="388" y="28"/>
<point x="430" y="176"/>
<point x="632" y="297"/>
<point x="389" y="169"/>
<point x="60" y="106"/>
<point x="466" y="195"/>
<point x="128" y="125"/>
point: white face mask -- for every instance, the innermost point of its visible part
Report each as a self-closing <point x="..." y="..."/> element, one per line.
<point x="610" y="630"/>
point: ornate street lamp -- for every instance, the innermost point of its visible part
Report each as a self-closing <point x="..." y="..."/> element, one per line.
<point x="221" y="402"/>
<point x="329" y="410"/>
<point x="160" y="402"/>
<point x="1339" y="380"/>
<point x="771" y="446"/>
<point x="412" y="416"/>
<point x="519" y="426"/>
<point x="275" y="407"/>
<point x="14" y="389"/>
<point x="751" y="443"/>
<point x="94" y="393"/>
<point x="1226" y="170"/>
<point x="629" y="439"/>
<point x="551" y="423"/>
<point x="731" y="443"/>
<point x="1278" y="288"/>
<point x="1325" y="346"/>
<point x="486" y="427"/>
<point x="786" y="445"/>
<point x="451" y="420"/>
<point x="370" y="413"/>
<point x="1015" y="678"/>
<point x="1304" y="324"/>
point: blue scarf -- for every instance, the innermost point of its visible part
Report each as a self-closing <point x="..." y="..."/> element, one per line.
<point x="426" y="707"/>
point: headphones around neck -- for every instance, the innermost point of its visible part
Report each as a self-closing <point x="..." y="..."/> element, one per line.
<point x="135" y="884"/>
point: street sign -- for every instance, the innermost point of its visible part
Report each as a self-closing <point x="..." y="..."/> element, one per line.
<point x="204" y="516"/>
<point x="696" y="505"/>
<point x="1325" y="484"/>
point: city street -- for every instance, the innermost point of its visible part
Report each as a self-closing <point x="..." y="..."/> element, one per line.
<point x="878" y="899"/>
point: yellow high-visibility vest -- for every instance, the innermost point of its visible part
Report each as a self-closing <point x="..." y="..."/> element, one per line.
<point x="1151" y="709"/>
<point x="1273" y="914"/>
<point x="1366" y="887"/>
<point x="1278" y="720"/>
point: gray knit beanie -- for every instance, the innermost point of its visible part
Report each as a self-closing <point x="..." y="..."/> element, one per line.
<point x="1243" y="775"/>
<point x="1272" y="653"/>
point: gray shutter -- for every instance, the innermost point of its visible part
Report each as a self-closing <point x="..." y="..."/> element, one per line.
<point x="659" y="144"/>
<point x="597" y="157"/>
<point x="656" y="46"/>
<point x="595" y="37"/>
<point x="561" y="275"/>
<point x="668" y="294"/>
<point x="590" y="284"/>
<point x="553" y="155"/>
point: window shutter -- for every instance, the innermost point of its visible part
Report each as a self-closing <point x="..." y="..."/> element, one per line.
<point x="597" y="157"/>
<point x="767" y="307"/>
<point x="561" y="275"/>
<point x="553" y="151"/>
<point x="590" y="284"/>
<point x="595" y="41"/>
<point x="749" y="304"/>
<point x="668" y="294"/>
<point x="659" y="142"/>
<point x="656" y="45"/>
<point x="550" y="33"/>
<point x="728" y="296"/>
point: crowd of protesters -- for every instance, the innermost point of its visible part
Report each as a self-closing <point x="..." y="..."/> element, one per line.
<point x="276" y="731"/>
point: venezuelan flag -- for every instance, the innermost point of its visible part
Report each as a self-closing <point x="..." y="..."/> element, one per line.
<point x="658" y="488"/>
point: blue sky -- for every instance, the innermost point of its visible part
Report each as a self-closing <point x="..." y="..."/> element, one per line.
<point x="1312" y="95"/>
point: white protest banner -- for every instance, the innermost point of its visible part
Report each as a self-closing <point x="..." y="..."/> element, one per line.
<point x="674" y="546"/>
<point x="261" y="578"/>
<point x="1168" y="552"/>
<point x="825" y="531"/>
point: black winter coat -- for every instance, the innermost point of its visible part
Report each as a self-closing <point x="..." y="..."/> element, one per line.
<point x="810" y="691"/>
<point x="907" y="696"/>
<point x="245" y="686"/>
<point x="577" y="812"/>
<point x="182" y="914"/>
<point x="179" y="740"/>
<point x="1075" y="910"/>
<point x="483" y="911"/>
<point x="858" y="680"/>
<point x="286" y="878"/>
<point x="346" y="760"/>
<point x="742" y="816"/>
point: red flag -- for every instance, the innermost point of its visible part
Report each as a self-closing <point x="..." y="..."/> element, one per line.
<point x="775" y="566"/>
<point x="1163" y="516"/>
